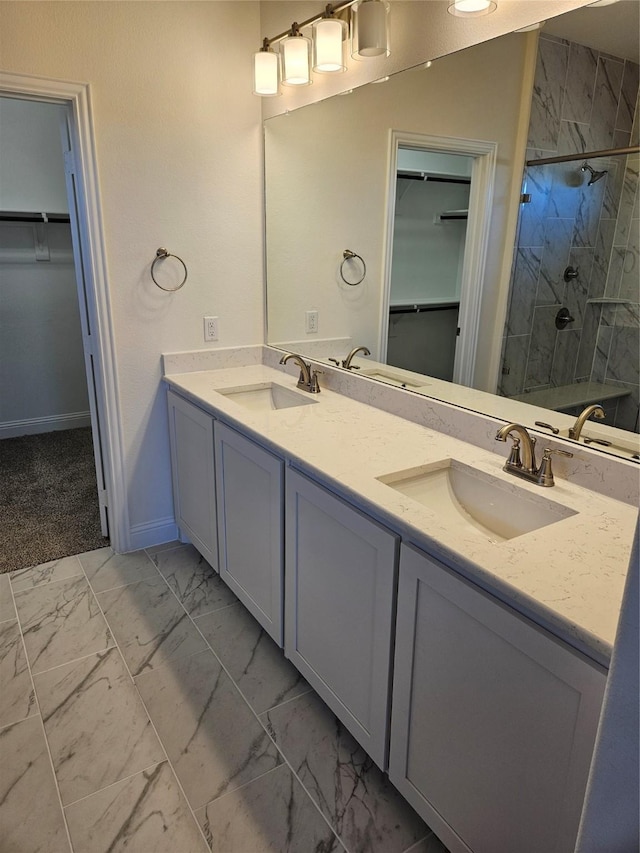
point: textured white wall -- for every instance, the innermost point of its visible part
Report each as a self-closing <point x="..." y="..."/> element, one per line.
<point x="42" y="373"/>
<point x="31" y="166"/>
<point x="177" y="134"/>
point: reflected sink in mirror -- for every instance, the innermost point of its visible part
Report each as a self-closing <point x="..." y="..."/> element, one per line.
<point x="266" y="396"/>
<point x="479" y="501"/>
<point x="391" y="377"/>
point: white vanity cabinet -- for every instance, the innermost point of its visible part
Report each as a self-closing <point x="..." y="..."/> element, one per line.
<point x="249" y="483"/>
<point x="339" y="607"/>
<point x="493" y="720"/>
<point x="192" y="468"/>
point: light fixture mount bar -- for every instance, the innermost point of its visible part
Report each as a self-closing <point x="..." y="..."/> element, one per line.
<point x="329" y="9"/>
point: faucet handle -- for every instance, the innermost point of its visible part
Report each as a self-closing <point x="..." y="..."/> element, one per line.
<point x="545" y="474"/>
<point x="553" y="429"/>
<point x="548" y="451"/>
<point x="334" y="361"/>
<point x="314" y="385"/>
<point x="514" y="455"/>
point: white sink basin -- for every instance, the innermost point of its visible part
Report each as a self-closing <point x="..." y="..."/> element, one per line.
<point x="267" y="396"/>
<point x="391" y="378"/>
<point x="473" y="499"/>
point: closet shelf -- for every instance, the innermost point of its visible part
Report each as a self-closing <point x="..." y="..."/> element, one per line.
<point x="28" y="216"/>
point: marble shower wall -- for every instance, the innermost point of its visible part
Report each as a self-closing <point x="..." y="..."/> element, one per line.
<point x="582" y="101"/>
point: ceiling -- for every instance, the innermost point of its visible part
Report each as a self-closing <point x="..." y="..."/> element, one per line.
<point x="613" y="29"/>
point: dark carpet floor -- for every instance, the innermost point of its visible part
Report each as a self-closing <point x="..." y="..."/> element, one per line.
<point x="48" y="498"/>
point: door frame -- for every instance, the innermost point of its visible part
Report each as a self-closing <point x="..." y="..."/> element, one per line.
<point x="483" y="170"/>
<point x="76" y="98"/>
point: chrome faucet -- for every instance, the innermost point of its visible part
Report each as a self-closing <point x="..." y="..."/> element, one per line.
<point x="576" y="430"/>
<point x="527" y="466"/>
<point x="308" y="379"/>
<point x="346" y="362"/>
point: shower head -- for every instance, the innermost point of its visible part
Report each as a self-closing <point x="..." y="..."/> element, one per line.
<point x="595" y="176"/>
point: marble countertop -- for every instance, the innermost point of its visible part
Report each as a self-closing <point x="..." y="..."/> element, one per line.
<point x="568" y="576"/>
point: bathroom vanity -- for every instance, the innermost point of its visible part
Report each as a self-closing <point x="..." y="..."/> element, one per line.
<point x="464" y="643"/>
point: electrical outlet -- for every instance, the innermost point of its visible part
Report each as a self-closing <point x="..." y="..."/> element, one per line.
<point x="311" y="322"/>
<point x="211" y="328"/>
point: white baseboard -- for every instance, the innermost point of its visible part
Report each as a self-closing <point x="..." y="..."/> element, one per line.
<point x="152" y="533"/>
<point x="33" y="426"/>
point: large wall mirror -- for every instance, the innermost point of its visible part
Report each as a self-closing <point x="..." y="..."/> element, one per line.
<point x="507" y="288"/>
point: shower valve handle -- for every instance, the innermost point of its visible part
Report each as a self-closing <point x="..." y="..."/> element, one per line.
<point x="570" y="273"/>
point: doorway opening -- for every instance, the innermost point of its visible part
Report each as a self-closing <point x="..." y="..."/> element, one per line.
<point x="439" y="203"/>
<point x="430" y="225"/>
<point x="51" y="457"/>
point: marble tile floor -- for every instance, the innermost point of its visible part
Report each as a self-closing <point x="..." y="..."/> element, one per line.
<point x="143" y="709"/>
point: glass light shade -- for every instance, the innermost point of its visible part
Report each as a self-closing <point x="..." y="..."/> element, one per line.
<point x="329" y="38"/>
<point x="369" y="29"/>
<point x="296" y="61"/>
<point x="265" y="73"/>
<point x="471" y="8"/>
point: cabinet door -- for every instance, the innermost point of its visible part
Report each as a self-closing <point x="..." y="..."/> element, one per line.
<point x="192" y="464"/>
<point x="250" y="521"/>
<point x="340" y="592"/>
<point x="493" y="720"/>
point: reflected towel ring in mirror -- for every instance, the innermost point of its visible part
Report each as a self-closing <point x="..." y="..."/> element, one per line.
<point x="348" y="255"/>
<point x="161" y="254"/>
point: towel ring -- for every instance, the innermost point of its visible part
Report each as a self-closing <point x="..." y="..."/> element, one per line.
<point x="348" y="255"/>
<point x="161" y="254"/>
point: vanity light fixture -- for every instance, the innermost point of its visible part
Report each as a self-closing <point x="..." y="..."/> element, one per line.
<point x="296" y="58"/>
<point x="369" y="29"/>
<point x="291" y="64"/>
<point x="266" y="71"/>
<point x="471" y="8"/>
<point x="329" y="40"/>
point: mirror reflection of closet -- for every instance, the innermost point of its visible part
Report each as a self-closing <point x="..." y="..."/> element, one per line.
<point x="431" y="208"/>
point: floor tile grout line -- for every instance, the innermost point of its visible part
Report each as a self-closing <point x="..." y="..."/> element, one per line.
<point x="44" y="734"/>
<point x="251" y="710"/>
<point x="260" y="723"/>
<point x="46" y="583"/>
<point x="43" y="587"/>
<point x="170" y="763"/>
<point x="306" y="692"/>
<point x="419" y="841"/>
<point x="82" y="657"/>
<point x="120" y="585"/>
<point x="152" y="724"/>
<point x="117" y="782"/>
<point x="286" y="764"/>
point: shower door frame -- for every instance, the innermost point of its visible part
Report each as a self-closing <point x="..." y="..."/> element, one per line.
<point x="82" y="159"/>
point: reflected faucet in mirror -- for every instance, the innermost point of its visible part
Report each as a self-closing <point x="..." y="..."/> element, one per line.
<point x="596" y="410"/>
<point x="346" y="362"/>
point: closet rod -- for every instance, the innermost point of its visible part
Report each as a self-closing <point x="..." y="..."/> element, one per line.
<point x="427" y="176"/>
<point x="22" y="216"/>
<point x="418" y="308"/>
